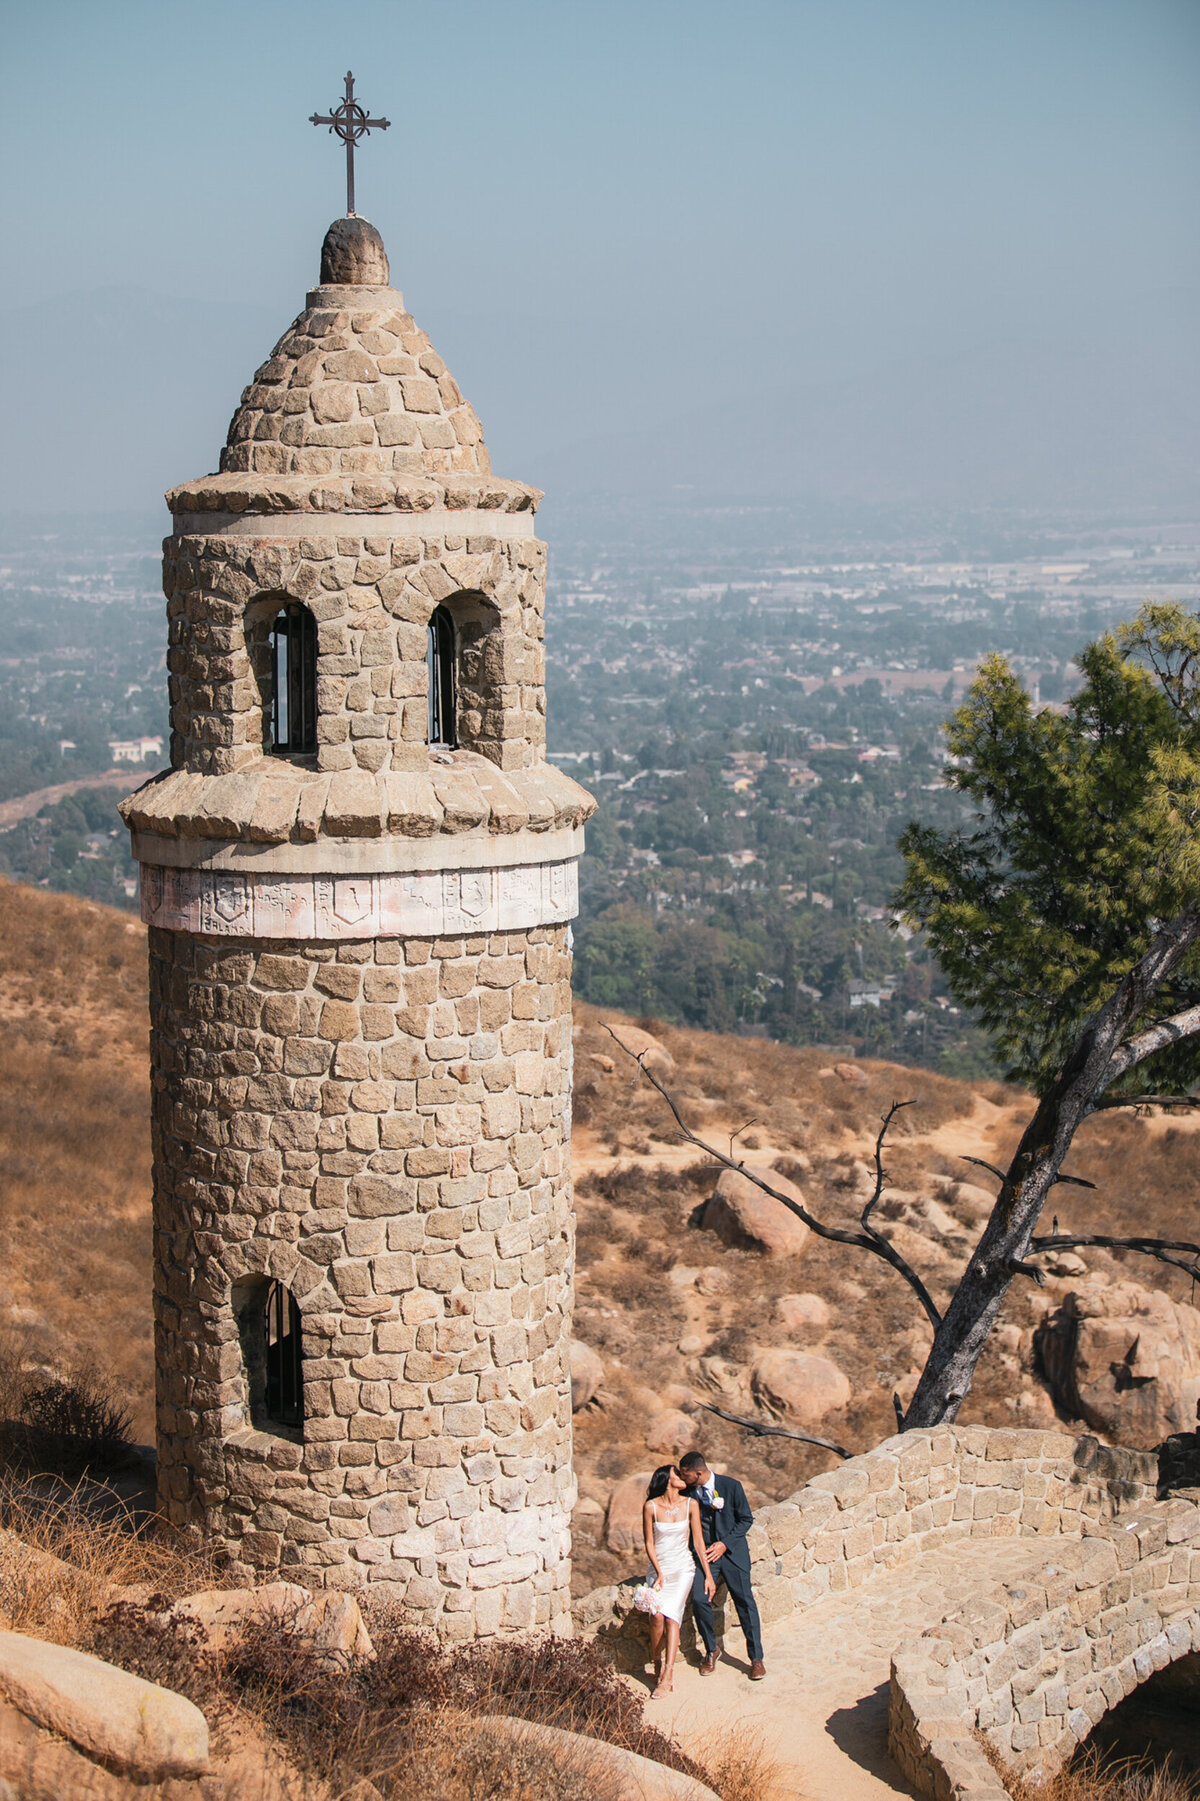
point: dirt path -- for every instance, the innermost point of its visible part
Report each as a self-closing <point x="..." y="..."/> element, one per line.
<point x="822" y="1710"/>
<point x="26" y="806"/>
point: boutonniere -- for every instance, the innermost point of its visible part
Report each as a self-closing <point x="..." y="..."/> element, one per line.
<point x="718" y="1501"/>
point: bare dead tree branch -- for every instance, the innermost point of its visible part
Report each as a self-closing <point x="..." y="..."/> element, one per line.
<point x="1146" y="1100"/>
<point x="880" y="1173"/>
<point x="868" y="1240"/>
<point x="990" y="1167"/>
<point x="1159" y="1248"/>
<point x="761" y="1429"/>
<point x="1071" y="1181"/>
<point x="734" y="1136"/>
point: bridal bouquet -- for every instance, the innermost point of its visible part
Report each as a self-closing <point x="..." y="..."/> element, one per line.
<point x="647" y="1598"/>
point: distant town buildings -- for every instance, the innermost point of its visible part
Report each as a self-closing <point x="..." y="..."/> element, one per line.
<point x="134" y="750"/>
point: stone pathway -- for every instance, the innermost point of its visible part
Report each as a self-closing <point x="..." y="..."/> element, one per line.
<point x="822" y="1709"/>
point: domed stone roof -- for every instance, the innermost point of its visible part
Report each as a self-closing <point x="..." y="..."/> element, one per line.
<point x="354" y="385"/>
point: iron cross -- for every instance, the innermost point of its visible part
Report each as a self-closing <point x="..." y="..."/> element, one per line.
<point x="350" y="123"/>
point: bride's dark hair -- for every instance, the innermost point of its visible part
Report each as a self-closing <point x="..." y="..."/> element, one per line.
<point x="658" y="1481"/>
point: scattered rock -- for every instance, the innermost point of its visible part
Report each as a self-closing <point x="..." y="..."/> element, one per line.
<point x="330" y="1624"/>
<point x="905" y="1387"/>
<point x="671" y="1433"/>
<point x="798" y="1386"/>
<point x="681" y="1277"/>
<point x="802" y="1312"/>
<point x="678" y="1394"/>
<point x="614" y="1774"/>
<point x="653" y="1054"/>
<point x="35" y="1766"/>
<point x="1033" y="1407"/>
<point x="745" y="1218"/>
<point x="970" y="1202"/>
<point x="605" y="1063"/>
<point x="1064" y="1263"/>
<point x="728" y="1379"/>
<point x="587" y="1373"/>
<point x="1124" y="1358"/>
<point x="851" y="1074"/>
<point x="148" y="1731"/>
<point x="714" y="1280"/>
<point x="333" y="1625"/>
<point x="690" y="1345"/>
<point x="624" y="1528"/>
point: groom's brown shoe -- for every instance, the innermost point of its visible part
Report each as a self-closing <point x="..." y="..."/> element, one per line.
<point x="711" y="1660"/>
<point x="758" y="1670"/>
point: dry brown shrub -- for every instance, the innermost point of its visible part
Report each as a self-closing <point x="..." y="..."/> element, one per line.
<point x="741" y="1768"/>
<point x="1089" y="1777"/>
<point x="64" y="1550"/>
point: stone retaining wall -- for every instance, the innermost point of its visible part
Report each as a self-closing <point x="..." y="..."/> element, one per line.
<point x="912" y="1493"/>
<point x="1035" y="1664"/>
<point x="922" y="1489"/>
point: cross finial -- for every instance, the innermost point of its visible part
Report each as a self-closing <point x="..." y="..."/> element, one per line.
<point x="350" y="123"/>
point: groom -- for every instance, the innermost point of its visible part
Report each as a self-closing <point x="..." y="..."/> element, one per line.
<point x="725" y="1519"/>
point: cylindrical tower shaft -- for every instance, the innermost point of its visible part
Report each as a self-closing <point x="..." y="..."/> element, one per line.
<point x="360" y="994"/>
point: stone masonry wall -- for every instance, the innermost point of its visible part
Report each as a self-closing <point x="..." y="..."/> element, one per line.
<point x="382" y="1126"/>
<point x="912" y="1493"/>
<point x="1037" y="1663"/>
<point x="371" y="597"/>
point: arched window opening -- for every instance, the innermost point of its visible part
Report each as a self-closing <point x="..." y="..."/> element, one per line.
<point x="293" y="681"/>
<point x="284" y="1400"/>
<point x="443" y="683"/>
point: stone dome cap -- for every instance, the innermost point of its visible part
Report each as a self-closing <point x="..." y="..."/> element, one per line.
<point x="353" y="255"/>
<point x="354" y="385"/>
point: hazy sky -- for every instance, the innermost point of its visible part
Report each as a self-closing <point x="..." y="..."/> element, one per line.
<point x="629" y="228"/>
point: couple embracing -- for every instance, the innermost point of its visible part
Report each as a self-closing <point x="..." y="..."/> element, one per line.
<point x="695" y="1526"/>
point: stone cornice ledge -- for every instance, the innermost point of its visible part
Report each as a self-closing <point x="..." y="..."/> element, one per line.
<point x="369" y="491"/>
<point x="391" y="855"/>
<point x="272" y="802"/>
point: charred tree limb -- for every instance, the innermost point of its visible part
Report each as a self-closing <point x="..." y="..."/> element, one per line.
<point x="1146" y="1100"/>
<point x="1162" y="1249"/>
<point x="761" y="1429"/>
<point x="868" y="1240"/>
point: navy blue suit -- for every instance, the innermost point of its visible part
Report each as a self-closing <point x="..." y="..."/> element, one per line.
<point x="727" y="1525"/>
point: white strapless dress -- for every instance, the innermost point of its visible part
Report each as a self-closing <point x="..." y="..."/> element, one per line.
<point x="677" y="1564"/>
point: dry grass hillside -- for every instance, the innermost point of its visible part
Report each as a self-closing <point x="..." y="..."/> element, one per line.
<point x="675" y="1316"/>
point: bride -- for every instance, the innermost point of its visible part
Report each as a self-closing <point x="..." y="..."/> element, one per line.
<point x="669" y="1521"/>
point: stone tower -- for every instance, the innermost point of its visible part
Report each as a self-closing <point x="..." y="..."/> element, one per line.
<point x="358" y="875"/>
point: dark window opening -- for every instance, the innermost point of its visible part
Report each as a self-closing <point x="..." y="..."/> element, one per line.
<point x="285" y="1378"/>
<point x="443" y="699"/>
<point x="294" y="681"/>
